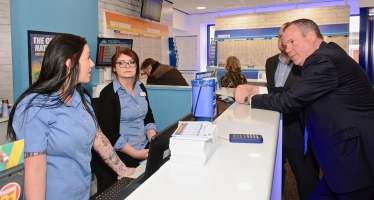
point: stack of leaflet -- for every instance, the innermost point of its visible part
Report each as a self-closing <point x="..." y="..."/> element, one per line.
<point x="193" y="143"/>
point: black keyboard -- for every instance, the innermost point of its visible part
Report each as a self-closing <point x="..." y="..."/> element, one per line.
<point x="112" y="192"/>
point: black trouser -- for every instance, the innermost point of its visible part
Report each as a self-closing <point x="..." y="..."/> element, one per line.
<point x="305" y="169"/>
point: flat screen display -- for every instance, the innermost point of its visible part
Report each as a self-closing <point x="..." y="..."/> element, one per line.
<point x="106" y="47"/>
<point x="151" y="9"/>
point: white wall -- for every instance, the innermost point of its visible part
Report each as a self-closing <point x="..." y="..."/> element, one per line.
<point x="180" y="21"/>
<point x="6" y="78"/>
<point x="197" y="25"/>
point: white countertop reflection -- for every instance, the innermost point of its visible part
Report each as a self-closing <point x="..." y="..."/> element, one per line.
<point x="235" y="171"/>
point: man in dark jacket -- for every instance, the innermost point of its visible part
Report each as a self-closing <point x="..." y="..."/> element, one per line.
<point x="281" y="72"/>
<point x="159" y="74"/>
<point x="336" y="99"/>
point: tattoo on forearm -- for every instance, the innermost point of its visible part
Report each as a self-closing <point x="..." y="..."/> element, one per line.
<point x="111" y="155"/>
<point x="30" y="154"/>
<point x="116" y="161"/>
<point x="120" y="168"/>
<point x="105" y="141"/>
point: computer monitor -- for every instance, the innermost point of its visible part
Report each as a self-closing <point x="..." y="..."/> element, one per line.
<point x="151" y="9"/>
<point x="159" y="151"/>
<point x="158" y="154"/>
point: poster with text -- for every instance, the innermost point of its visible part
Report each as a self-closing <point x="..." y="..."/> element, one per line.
<point x="37" y="42"/>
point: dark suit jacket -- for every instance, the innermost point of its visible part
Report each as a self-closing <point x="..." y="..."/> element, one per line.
<point x="338" y="99"/>
<point x="293" y="130"/>
<point x="165" y="75"/>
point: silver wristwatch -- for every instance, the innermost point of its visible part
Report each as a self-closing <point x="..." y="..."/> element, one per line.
<point x="246" y="100"/>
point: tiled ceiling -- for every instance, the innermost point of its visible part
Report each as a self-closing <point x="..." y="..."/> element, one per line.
<point x="189" y="6"/>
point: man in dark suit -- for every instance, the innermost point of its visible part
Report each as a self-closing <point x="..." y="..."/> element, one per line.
<point x="281" y="72"/>
<point x="336" y="99"/>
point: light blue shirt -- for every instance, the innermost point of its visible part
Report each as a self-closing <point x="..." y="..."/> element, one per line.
<point x="67" y="134"/>
<point x="282" y="72"/>
<point x="133" y="112"/>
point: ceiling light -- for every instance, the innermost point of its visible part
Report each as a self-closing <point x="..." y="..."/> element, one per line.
<point x="200" y="8"/>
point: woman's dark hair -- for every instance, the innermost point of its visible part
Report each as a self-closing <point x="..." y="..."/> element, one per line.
<point x="55" y="77"/>
<point x="131" y="54"/>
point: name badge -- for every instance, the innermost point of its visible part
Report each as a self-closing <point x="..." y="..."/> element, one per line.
<point x="142" y="94"/>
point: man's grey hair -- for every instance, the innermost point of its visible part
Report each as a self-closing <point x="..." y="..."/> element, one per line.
<point x="304" y="26"/>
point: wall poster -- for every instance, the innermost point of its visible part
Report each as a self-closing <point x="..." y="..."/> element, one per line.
<point x="37" y="43"/>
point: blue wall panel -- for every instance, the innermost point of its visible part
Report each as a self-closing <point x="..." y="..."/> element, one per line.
<point x="366" y="43"/>
<point x="68" y="16"/>
<point x="172" y="54"/>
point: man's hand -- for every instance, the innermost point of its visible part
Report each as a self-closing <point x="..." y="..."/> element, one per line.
<point x="243" y="91"/>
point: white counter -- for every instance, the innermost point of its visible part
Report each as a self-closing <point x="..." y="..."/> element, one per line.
<point x="235" y="171"/>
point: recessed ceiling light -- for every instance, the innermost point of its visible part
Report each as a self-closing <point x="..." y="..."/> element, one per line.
<point x="200" y="8"/>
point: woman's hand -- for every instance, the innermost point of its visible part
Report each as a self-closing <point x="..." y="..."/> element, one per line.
<point x="105" y="150"/>
<point x="150" y="134"/>
<point x="141" y="154"/>
<point x="127" y="173"/>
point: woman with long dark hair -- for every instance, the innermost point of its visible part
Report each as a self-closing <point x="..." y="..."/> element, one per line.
<point x="55" y="118"/>
<point x="125" y="117"/>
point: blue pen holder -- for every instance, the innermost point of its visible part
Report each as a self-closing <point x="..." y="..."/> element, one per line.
<point x="203" y="98"/>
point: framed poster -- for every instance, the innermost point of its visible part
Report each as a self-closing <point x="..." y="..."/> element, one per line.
<point x="37" y="43"/>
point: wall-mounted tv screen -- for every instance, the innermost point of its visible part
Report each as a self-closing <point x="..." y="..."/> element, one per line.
<point x="151" y="9"/>
<point x="106" y="47"/>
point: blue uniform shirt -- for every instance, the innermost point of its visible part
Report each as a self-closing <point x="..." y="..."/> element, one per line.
<point x="282" y="72"/>
<point x="67" y="134"/>
<point x="133" y="112"/>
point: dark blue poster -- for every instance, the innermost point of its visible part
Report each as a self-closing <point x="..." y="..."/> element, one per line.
<point x="38" y="42"/>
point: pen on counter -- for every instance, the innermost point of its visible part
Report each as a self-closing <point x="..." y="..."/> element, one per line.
<point x="180" y="129"/>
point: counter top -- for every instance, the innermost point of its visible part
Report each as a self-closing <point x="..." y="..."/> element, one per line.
<point x="235" y="171"/>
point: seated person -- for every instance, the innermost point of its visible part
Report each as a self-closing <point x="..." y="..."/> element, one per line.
<point x="125" y="117"/>
<point x="234" y="75"/>
<point x="160" y="74"/>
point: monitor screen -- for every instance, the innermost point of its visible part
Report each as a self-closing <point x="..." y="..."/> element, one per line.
<point x="159" y="151"/>
<point x="151" y="9"/>
<point x="106" y="47"/>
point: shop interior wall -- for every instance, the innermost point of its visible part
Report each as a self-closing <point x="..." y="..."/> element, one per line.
<point x="68" y="16"/>
<point x="6" y="78"/>
<point x="132" y="8"/>
<point x="197" y="23"/>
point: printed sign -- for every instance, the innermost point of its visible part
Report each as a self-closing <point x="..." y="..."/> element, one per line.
<point x="11" y="191"/>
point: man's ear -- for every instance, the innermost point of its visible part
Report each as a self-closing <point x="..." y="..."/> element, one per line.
<point x="68" y="64"/>
<point x="312" y="36"/>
